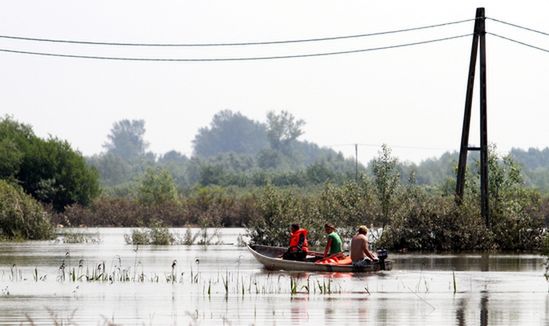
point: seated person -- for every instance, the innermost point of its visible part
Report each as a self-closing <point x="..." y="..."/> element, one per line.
<point x="298" y="244"/>
<point x="360" y="253"/>
<point x="334" y="247"/>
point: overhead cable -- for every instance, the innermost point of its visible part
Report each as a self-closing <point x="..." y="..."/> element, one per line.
<point x="519" y="26"/>
<point x="332" y="38"/>
<point x="294" y="56"/>
<point x="393" y="146"/>
<point x="518" y="42"/>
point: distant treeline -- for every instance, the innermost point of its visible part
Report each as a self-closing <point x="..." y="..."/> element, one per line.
<point x="233" y="151"/>
<point x="237" y="151"/>
<point x="534" y="164"/>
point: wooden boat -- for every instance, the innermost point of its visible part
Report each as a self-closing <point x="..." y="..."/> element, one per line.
<point x="269" y="257"/>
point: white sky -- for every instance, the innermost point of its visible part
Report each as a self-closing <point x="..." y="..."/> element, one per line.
<point x="410" y="98"/>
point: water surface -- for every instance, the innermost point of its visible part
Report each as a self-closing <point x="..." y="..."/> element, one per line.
<point x="223" y="284"/>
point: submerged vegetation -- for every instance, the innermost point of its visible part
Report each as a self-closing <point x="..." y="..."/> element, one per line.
<point x="227" y="283"/>
<point x="156" y="234"/>
<point x="159" y="234"/>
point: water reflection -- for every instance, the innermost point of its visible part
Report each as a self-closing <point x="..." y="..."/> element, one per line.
<point x="299" y="310"/>
<point x="484" y="309"/>
<point x="460" y="312"/>
<point x="468" y="262"/>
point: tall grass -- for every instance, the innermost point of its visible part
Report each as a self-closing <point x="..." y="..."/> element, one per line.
<point x="228" y="283"/>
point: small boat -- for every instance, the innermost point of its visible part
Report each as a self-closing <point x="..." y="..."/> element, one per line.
<point x="269" y="257"/>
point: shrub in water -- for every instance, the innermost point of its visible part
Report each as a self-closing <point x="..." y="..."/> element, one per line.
<point x="138" y="237"/>
<point x="22" y="217"/>
<point x="157" y="234"/>
<point x="160" y="234"/>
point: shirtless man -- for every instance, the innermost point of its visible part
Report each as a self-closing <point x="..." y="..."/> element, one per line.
<point x="360" y="253"/>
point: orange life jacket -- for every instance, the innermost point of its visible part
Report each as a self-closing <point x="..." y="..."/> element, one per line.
<point x="294" y="240"/>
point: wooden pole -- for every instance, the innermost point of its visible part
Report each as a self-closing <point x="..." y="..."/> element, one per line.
<point x="462" y="164"/>
<point x="485" y="210"/>
<point x="479" y="37"/>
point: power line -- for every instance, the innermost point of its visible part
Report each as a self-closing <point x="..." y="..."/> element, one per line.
<point x="518" y="42"/>
<point x="519" y="26"/>
<point x="332" y="38"/>
<point x="295" y="56"/>
<point x="393" y="146"/>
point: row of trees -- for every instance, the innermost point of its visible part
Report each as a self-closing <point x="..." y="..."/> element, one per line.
<point x="534" y="165"/>
<point x="232" y="151"/>
<point x="237" y="151"/>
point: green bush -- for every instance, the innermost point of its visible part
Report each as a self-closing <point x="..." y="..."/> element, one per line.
<point x="157" y="187"/>
<point x="436" y="223"/>
<point x="22" y="217"/>
<point x="346" y="206"/>
<point x="156" y="234"/>
<point x="138" y="237"/>
<point x="160" y="234"/>
<point x="278" y="209"/>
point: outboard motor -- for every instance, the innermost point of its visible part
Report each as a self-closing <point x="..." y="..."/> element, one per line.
<point x="382" y="255"/>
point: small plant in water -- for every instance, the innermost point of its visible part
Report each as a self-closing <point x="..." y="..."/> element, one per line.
<point x="138" y="237"/>
<point x="157" y="234"/>
<point x="201" y="237"/>
<point x="293" y="285"/>
<point x="78" y="237"/>
<point x="160" y="234"/>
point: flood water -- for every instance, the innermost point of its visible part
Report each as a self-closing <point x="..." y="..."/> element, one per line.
<point x="108" y="282"/>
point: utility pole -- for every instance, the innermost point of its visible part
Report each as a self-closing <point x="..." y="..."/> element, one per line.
<point x="356" y="163"/>
<point x="479" y="40"/>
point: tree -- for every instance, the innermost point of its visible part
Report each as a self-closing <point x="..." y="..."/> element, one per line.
<point x="517" y="223"/>
<point x="11" y="159"/>
<point x="177" y="165"/>
<point x="113" y="169"/>
<point x="230" y="132"/>
<point x="157" y="187"/>
<point x="386" y="180"/>
<point x="54" y="173"/>
<point x="126" y="139"/>
<point x="283" y="129"/>
<point x="15" y="138"/>
<point x="268" y="159"/>
<point x="319" y="173"/>
<point x="49" y="170"/>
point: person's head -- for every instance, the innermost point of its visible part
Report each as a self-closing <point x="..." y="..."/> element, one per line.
<point x="329" y="228"/>
<point x="363" y="229"/>
<point x="294" y="227"/>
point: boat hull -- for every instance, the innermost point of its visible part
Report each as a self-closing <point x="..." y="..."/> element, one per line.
<point x="269" y="258"/>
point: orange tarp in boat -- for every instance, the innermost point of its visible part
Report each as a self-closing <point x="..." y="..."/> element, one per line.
<point x="335" y="261"/>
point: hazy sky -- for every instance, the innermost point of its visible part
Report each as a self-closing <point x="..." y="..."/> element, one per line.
<point x="411" y="98"/>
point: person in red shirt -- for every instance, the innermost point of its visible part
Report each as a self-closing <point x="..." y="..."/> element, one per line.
<point x="299" y="247"/>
